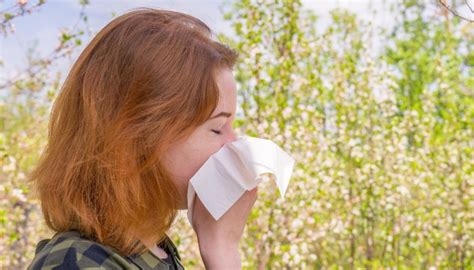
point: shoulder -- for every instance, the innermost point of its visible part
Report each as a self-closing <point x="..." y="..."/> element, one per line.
<point x="68" y="250"/>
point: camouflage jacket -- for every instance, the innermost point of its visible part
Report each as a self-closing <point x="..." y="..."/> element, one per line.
<point x="70" y="250"/>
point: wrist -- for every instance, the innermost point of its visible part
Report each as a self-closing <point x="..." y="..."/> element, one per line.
<point x="220" y="257"/>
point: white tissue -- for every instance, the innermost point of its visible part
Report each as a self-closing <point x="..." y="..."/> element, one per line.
<point x="236" y="168"/>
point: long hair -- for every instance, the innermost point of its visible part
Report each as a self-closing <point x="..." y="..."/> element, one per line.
<point x="146" y="80"/>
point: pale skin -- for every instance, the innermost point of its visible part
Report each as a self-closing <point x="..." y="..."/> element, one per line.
<point x="218" y="240"/>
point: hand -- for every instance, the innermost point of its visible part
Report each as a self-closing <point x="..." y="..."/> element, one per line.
<point x="219" y="240"/>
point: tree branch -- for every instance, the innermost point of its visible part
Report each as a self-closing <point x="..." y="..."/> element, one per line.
<point x="454" y="12"/>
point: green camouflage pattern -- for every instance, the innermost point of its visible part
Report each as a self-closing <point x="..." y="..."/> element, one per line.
<point x="71" y="250"/>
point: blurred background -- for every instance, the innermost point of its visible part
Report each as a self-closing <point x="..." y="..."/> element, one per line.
<point x="374" y="100"/>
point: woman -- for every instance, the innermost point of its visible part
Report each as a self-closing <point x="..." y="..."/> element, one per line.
<point x="148" y="101"/>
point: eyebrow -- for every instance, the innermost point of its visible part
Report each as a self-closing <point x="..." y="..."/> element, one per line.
<point x="225" y="114"/>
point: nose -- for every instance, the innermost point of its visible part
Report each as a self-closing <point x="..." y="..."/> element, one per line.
<point x="231" y="136"/>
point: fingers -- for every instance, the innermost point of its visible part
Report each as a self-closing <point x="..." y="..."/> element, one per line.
<point x="252" y="195"/>
<point x="254" y="191"/>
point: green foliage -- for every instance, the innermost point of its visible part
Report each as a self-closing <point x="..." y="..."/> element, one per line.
<point x="383" y="142"/>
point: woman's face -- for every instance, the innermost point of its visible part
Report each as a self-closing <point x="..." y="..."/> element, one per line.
<point x="185" y="158"/>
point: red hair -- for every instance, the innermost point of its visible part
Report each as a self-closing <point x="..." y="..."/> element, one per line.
<point x="146" y="80"/>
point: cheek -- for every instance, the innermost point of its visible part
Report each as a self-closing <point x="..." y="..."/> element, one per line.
<point x="197" y="160"/>
<point x="188" y="161"/>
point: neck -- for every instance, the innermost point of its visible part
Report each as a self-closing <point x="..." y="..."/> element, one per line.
<point x="155" y="249"/>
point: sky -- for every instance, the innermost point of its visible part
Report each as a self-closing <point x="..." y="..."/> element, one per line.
<point x="42" y="27"/>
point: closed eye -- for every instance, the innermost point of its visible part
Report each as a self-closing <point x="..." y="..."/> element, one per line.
<point x="216" y="131"/>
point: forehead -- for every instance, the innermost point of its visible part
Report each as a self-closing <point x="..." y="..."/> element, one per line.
<point x="227" y="90"/>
